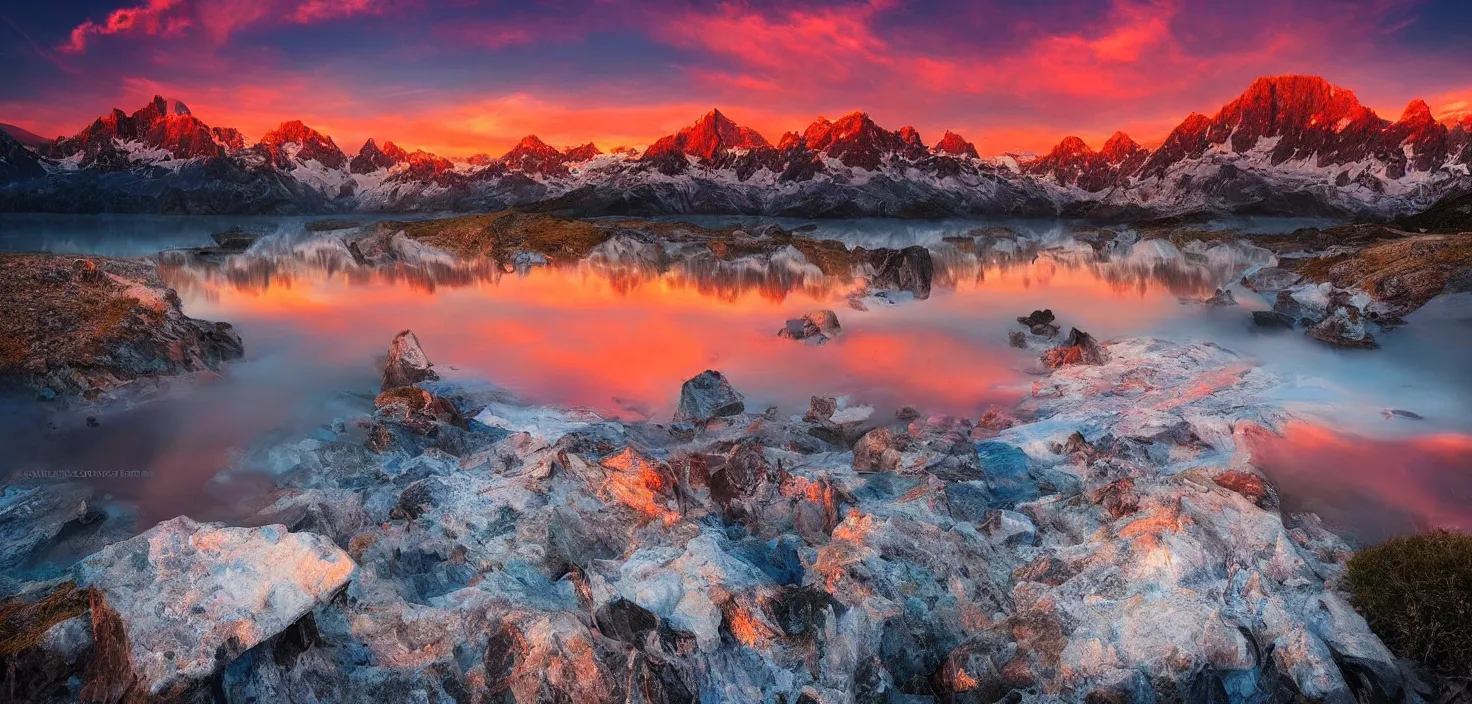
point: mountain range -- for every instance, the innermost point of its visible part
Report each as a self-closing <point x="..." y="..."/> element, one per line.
<point x="1289" y="145"/>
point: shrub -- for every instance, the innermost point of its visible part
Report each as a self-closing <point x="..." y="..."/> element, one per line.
<point x="1416" y="593"/>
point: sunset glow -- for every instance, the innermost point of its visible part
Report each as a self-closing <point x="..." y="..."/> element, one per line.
<point x="474" y="78"/>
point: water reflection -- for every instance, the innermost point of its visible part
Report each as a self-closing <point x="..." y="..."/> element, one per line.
<point x="619" y="331"/>
<point x="1373" y="487"/>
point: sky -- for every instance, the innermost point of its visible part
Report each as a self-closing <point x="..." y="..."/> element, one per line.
<point x="460" y="77"/>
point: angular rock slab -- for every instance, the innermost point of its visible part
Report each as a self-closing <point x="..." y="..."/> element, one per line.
<point x="190" y="597"/>
<point x="407" y="363"/>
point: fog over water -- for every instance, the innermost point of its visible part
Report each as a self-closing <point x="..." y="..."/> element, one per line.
<point x="619" y="336"/>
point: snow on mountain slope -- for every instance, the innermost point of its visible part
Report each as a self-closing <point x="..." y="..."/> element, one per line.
<point x="1287" y="145"/>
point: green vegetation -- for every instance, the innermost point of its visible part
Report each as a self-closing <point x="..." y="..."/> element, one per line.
<point x="1416" y="593"/>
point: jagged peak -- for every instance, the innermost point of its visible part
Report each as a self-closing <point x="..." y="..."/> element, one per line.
<point x="911" y="136"/>
<point x="532" y="141"/>
<point x="955" y="145"/>
<point x="293" y="131"/>
<point x="1417" y="111"/>
<point x="857" y="117"/>
<point x="1119" y="147"/>
<point x="582" y="152"/>
<point x="1195" y="122"/>
<point x="1072" y="145"/>
<point x="712" y="134"/>
<point x="1120" y="140"/>
<point x="715" y="115"/>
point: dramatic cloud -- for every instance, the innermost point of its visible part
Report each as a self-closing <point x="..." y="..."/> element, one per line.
<point x="219" y="17"/>
<point x="152" y="18"/>
<point x="467" y="77"/>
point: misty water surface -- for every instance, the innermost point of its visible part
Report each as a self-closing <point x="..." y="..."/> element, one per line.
<point x="621" y="340"/>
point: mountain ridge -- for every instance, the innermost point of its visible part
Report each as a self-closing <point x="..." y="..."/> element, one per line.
<point x="1292" y="144"/>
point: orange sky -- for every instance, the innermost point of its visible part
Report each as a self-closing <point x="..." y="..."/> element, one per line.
<point x="460" y="78"/>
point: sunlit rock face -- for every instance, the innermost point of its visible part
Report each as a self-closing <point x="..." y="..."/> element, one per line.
<point x="176" y="604"/>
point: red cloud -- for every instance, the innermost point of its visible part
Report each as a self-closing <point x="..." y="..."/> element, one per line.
<point x="219" y="18"/>
<point x="144" y="19"/>
<point x="318" y="10"/>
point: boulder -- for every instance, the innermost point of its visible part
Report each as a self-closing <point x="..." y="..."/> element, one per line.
<point x="1345" y="328"/>
<point x="707" y="396"/>
<point x="1079" y="348"/>
<point x="1272" y="320"/>
<point x="177" y="603"/>
<point x="407" y="363"/>
<point x="1038" y="317"/>
<point x="417" y="410"/>
<point x="1040" y="323"/>
<point x="876" y="452"/>
<point x="816" y="327"/>
<point x="1222" y="297"/>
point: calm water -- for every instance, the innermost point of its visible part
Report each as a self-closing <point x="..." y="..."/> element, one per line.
<point x="619" y="337"/>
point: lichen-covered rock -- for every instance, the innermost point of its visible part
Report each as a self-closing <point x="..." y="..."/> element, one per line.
<point x="177" y="603"/>
<point x="407" y="363"/>
<point x="88" y="327"/>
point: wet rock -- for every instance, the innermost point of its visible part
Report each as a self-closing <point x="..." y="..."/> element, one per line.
<point x="1346" y="328"/>
<point x="1222" y="297"/>
<point x="1272" y="320"/>
<point x="1048" y="331"/>
<point x="742" y="481"/>
<point x="407" y="363"/>
<point x="1017" y="339"/>
<point x="1288" y="307"/>
<point x="1037" y="317"/>
<point x="1271" y="278"/>
<point x="816" y="327"/>
<point x="180" y="601"/>
<point x="910" y="269"/>
<point x="708" y="396"/>
<point x="1079" y="348"/>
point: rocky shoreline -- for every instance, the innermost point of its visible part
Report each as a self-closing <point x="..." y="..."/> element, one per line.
<point x="1110" y="538"/>
<point x="93" y="328"/>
